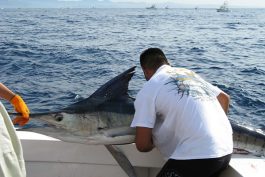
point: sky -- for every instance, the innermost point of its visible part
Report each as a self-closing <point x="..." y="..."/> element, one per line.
<point x="131" y="3"/>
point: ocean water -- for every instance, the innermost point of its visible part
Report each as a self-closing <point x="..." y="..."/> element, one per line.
<point x="54" y="57"/>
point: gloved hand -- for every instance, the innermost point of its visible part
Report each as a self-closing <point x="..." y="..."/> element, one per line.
<point x="21" y="121"/>
<point x="21" y="107"/>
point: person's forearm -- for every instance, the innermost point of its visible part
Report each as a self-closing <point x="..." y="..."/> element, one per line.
<point x="6" y="93"/>
<point x="143" y="139"/>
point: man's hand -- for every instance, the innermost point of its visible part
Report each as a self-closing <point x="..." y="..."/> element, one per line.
<point x="21" y="121"/>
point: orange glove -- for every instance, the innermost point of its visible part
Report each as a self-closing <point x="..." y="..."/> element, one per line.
<point x="21" y="107"/>
<point x="21" y="121"/>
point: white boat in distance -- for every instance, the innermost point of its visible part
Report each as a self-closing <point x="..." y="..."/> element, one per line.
<point x="151" y="7"/>
<point x="224" y="7"/>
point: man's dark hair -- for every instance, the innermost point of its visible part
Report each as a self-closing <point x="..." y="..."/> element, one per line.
<point x="153" y="58"/>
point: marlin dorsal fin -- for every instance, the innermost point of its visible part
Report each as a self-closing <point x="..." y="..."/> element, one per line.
<point x="118" y="86"/>
<point x="114" y="88"/>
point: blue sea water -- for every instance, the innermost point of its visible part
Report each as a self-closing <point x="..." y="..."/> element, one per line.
<point x="53" y="57"/>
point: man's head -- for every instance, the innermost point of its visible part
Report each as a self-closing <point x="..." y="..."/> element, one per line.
<point x="151" y="59"/>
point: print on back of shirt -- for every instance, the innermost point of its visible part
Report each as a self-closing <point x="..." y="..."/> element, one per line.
<point x="188" y="83"/>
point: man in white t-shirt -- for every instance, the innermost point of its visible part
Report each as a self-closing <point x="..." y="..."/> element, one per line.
<point x="184" y="117"/>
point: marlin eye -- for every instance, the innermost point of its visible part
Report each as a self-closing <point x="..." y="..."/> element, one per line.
<point x="58" y="117"/>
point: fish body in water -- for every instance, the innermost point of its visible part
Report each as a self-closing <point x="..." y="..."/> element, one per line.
<point x="248" y="141"/>
<point x="105" y="118"/>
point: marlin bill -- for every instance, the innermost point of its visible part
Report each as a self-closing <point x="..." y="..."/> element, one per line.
<point x="105" y="118"/>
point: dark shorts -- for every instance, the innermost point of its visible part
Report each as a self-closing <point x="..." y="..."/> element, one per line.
<point x="195" y="168"/>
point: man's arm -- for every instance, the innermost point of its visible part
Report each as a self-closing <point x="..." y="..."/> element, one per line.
<point x="6" y="93"/>
<point x="143" y="139"/>
<point x="224" y="100"/>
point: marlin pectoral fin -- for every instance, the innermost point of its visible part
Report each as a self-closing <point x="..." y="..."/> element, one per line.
<point x="122" y="131"/>
<point x="117" y="140"/>
<point x="122" y="160"/>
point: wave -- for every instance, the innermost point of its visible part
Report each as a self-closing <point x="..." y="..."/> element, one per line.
<point x="253" y="70"/>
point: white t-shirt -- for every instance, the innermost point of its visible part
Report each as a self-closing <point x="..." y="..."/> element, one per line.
<point x="187" y="120"/>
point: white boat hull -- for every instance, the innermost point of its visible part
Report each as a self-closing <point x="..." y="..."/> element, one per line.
<point x="48" y="157"/>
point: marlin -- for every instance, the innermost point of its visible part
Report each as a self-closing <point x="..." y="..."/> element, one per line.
<point x="102" y="118"/>
<point x="105" y="118"/>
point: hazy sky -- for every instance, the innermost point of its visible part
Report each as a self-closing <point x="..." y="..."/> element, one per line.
<point x="131" y="3"/>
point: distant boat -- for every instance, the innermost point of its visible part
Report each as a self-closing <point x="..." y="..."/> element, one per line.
<point x="151" y="7"/>
<point x="224" y="7"/>
<point x="166" y="7"/>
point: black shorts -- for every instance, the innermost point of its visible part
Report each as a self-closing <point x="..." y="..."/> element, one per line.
<point x="195" y="168"/>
